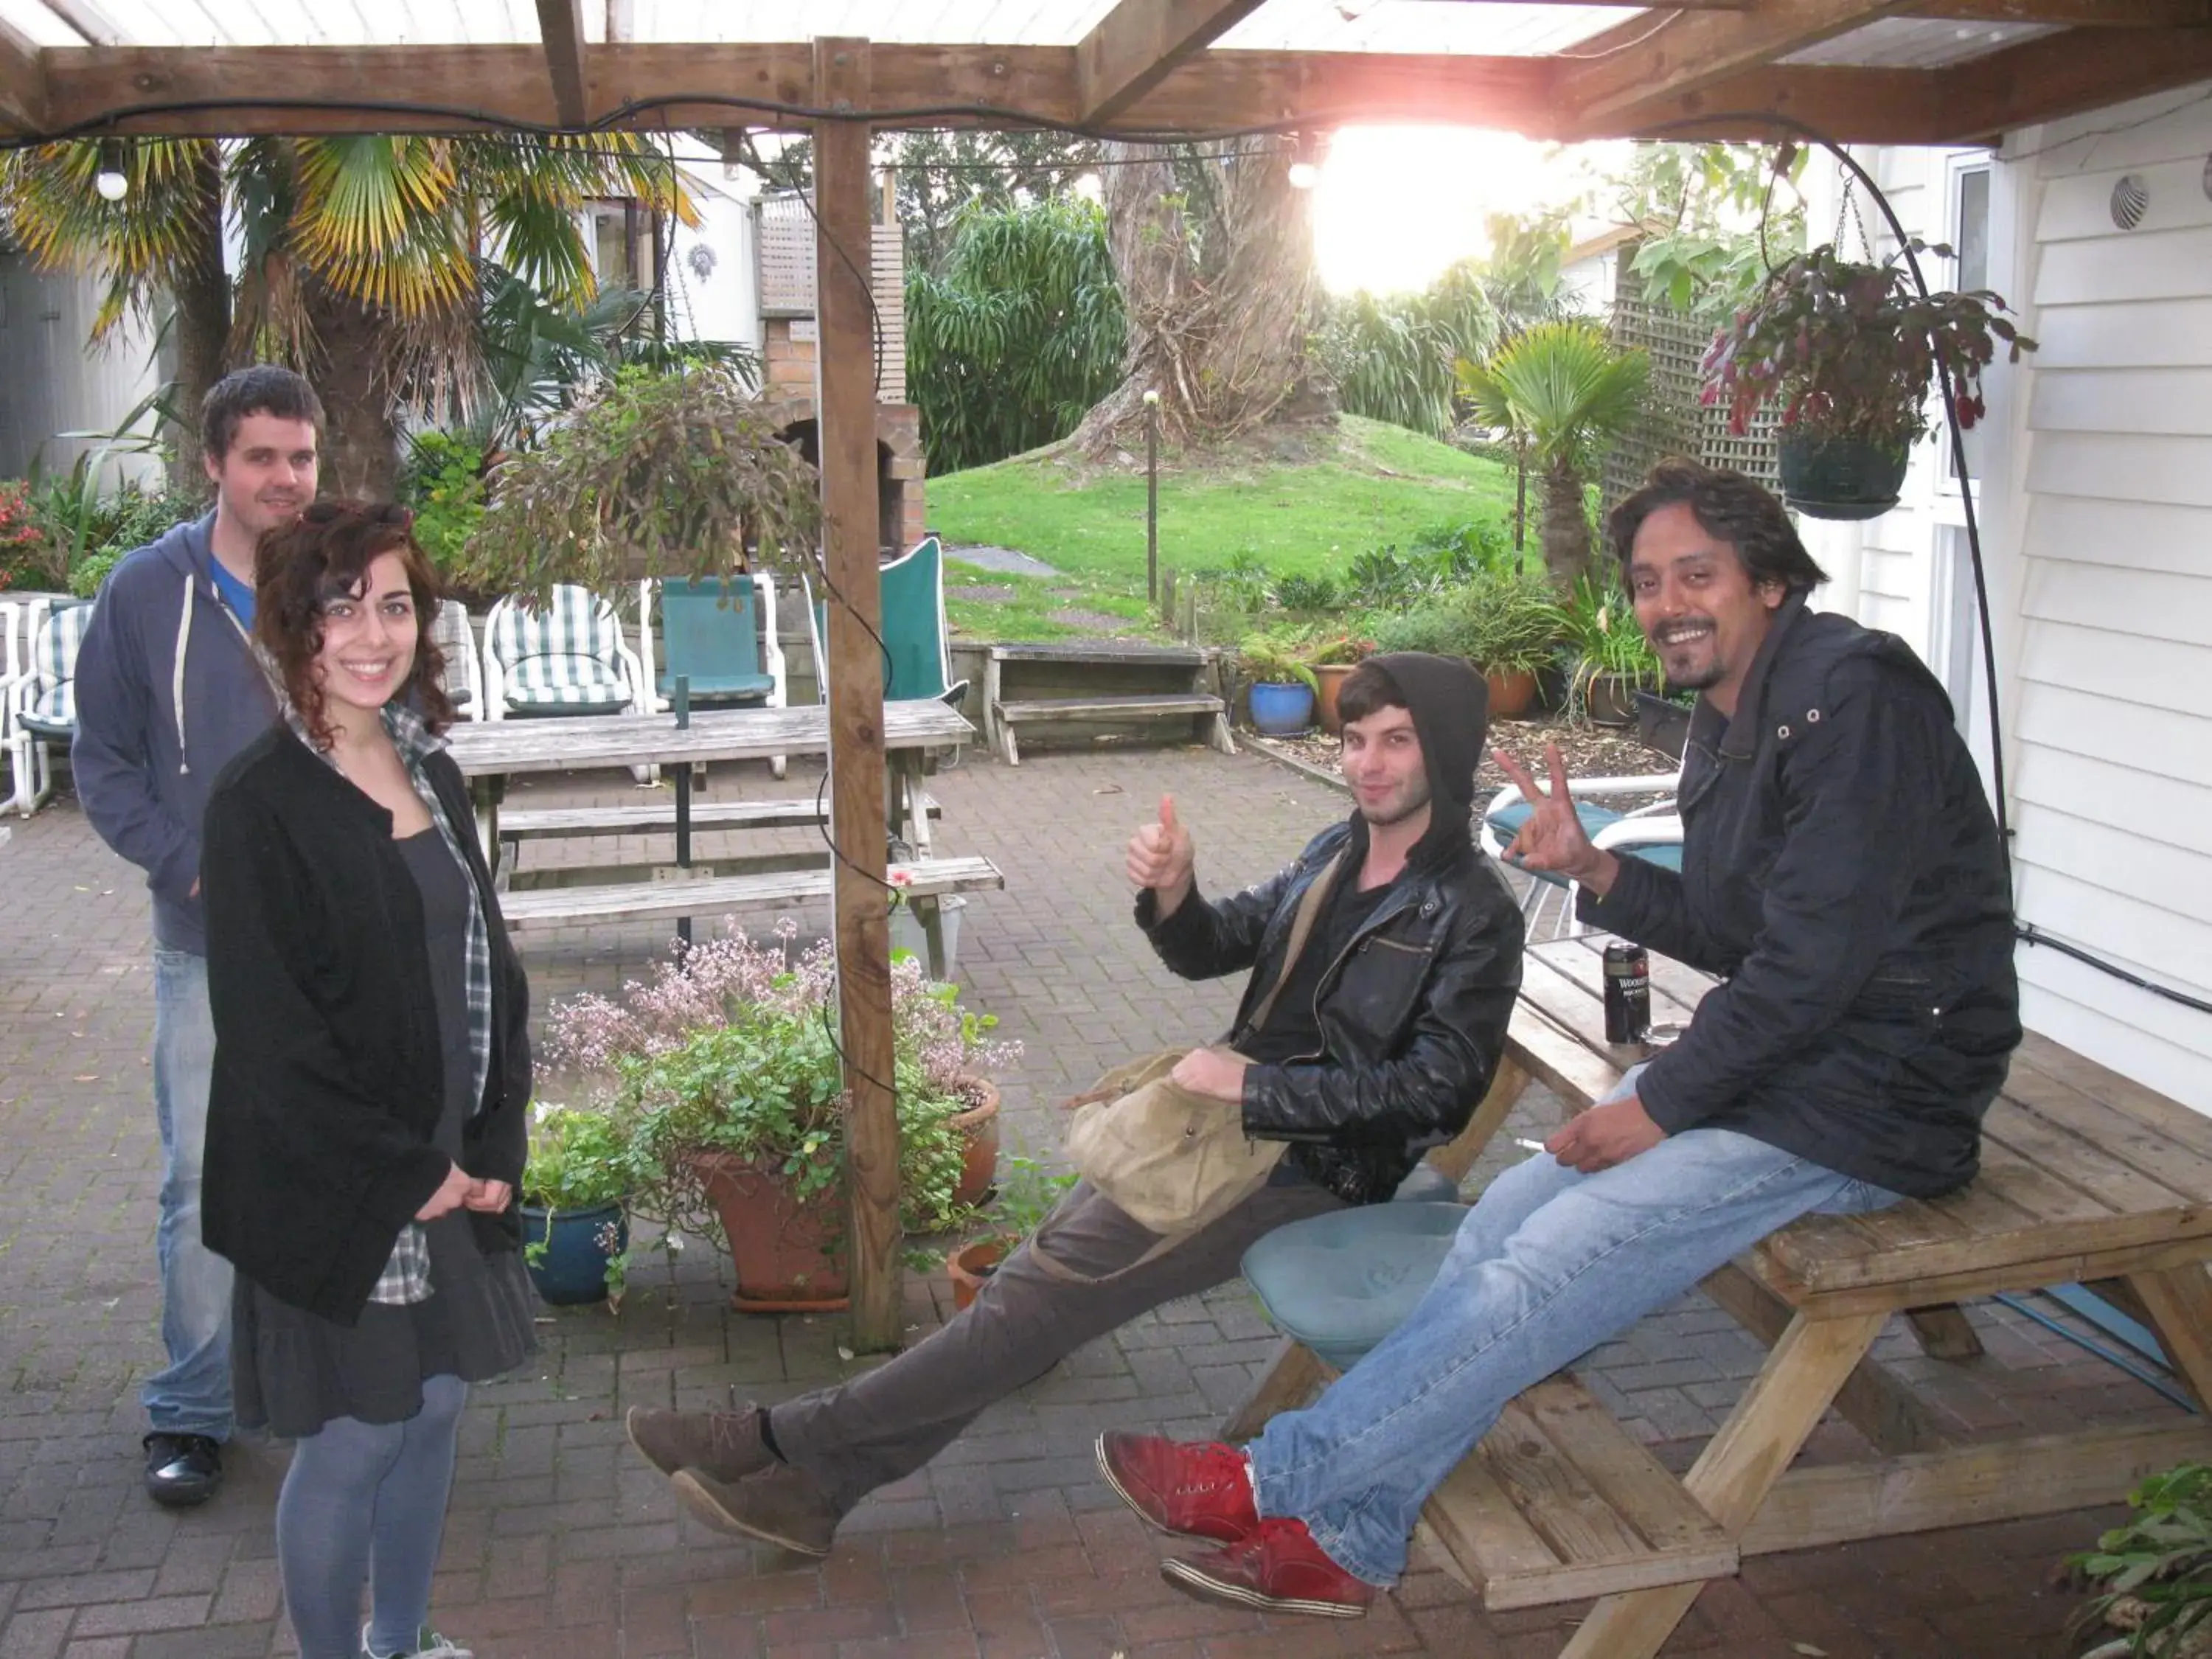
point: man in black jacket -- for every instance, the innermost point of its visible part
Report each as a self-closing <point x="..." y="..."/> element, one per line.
<point x="1842" y="870"/>
<point x="1380" y="1038"/>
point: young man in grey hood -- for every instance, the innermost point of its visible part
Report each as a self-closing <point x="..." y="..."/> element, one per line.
<point x="168" y="690"/>
<point x="1364" y="1037"/>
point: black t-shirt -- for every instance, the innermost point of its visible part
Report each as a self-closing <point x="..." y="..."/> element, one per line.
<point x="1292" y="1031"/>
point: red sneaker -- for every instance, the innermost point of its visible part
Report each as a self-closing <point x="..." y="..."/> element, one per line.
<point x="1201" y="1489"/>
<point x="1277" y="1569"/>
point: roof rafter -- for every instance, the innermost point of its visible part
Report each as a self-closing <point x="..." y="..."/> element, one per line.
<point x="1140" y="42"/>
<point x="2073" y="14"/>
<point x="560" y="27"/>
<point x="1872" y="105"/>
<point x="2062" y="75"/>
<point x="1638" y="66"/>
<point x="22" y="83"/>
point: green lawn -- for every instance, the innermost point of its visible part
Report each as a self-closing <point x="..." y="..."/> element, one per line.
<point x="1375" y="485"/>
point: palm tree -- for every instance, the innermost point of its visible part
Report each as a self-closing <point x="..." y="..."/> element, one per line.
<point x="361" y="258"/>
<point x="1563" y="389"/>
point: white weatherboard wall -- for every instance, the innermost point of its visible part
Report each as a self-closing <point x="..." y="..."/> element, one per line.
<point x="2112" y="741"/>
<point x="2096" y="503"/>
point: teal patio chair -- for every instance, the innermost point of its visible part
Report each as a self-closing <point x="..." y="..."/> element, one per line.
<point x="917" y="641"/>
<point x="719" y="635"/>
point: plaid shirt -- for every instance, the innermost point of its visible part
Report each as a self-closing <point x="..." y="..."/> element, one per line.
<point x="406" y="1276"/>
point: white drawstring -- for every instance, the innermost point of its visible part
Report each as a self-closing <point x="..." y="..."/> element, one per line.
<point x="177" y="675"/>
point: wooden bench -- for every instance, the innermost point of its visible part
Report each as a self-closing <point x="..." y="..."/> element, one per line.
<point x="1207" y="712"/>
<point x="922" y="884"/>
<point x="659" y="818"/>
<point x="2085" y="1176"/>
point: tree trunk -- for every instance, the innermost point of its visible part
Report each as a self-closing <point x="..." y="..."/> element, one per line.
<point x="350" y="369"/>
<point x="1217" y="287"/>
<point x="201" y="290"/>
<point x="1566" y="531"/>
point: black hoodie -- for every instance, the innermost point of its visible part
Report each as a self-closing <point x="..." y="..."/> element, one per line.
<point x="1412" y="1011"/>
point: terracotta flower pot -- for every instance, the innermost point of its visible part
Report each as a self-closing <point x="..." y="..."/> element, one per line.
<point x="1331" y="676"/>
<point x="970" y="1264"/>
<point x="789" y="1255"/>
<point x="1512" y="692"/>
<point x="979" y="1169"/>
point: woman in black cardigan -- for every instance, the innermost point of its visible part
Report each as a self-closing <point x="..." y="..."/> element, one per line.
<point x="367" y="1118"/>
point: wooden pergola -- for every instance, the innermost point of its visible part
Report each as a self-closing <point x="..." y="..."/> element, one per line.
<point x="1868" y="71"/>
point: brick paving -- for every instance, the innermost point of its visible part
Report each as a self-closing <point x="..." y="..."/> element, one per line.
<point x="563" y="1542"/>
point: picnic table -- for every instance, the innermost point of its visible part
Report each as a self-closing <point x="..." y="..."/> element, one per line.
<point x="2087" y="1178"/>
<point x="490" y="752"/>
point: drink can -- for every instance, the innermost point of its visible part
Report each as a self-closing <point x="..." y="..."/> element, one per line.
<point x="1627" y="992"/>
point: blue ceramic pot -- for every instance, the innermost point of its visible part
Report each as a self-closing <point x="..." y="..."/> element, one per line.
<point x="1279" y="710"/>
<point x="573" y="1270"/>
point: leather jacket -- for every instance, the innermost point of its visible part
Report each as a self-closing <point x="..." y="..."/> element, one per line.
<point x="1413" y="1013"/>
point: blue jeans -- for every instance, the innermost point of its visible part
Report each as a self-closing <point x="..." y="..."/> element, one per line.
<point x="192" y="1394"/>
<point x="1546" y="1266"/>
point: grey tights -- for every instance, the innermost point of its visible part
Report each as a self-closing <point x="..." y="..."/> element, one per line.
<point x="367" y="1500"/>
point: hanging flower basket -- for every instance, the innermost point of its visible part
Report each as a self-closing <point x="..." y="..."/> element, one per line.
<point x="1846" y="478"/>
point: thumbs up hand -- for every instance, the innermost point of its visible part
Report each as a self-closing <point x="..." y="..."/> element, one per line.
<point x="1161" y="857"/>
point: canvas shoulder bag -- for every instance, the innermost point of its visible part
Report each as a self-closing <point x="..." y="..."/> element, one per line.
<point x="1171" y="1160"/>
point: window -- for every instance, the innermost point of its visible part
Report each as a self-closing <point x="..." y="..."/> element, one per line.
<point x="1969" y="237"/>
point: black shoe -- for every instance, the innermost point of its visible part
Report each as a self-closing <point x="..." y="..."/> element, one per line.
<point x="182" y="1469"/>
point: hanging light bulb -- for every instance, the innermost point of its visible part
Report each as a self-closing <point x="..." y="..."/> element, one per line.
<point x="111" y="181"/>
<point x="1305" y="161"/>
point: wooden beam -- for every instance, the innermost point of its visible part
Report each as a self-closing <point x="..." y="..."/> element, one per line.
<point x="2062" y="75"/>
<point x="560" y="27"/>
<point x="1640" y="63"/>
<point x="1863" y="105"/>
<point x="2072" y="14"/>
<point x="509" y="83"/>
<point x="23" y="100"/>
<point x="846" y="372"/>
<point x="1139" y="43"/>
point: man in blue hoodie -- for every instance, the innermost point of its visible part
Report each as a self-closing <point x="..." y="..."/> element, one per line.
<point x="168" y="690"/>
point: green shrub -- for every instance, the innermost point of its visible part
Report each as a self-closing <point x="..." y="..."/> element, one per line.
<point x="1605" y="637"/>
<point x="2161" y="1561"/>
<point x="443" y="481"/>
<point x="84" y="580"/>
<point x="1298" y="592"/>
<point x="1498" y="621"/>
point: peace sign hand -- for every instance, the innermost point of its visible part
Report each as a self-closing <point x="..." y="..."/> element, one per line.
<point x="1554" y="838"/>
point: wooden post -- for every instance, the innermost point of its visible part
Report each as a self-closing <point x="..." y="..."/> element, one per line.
<point x="845" y="367"/>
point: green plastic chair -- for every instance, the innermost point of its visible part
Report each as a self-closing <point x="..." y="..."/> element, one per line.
<point x="917" y="643"/>
<point x="720" y="634"/>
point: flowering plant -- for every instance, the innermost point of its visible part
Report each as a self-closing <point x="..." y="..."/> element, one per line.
<point x="732" y="1049"/>
<point x="1849" y="350"/>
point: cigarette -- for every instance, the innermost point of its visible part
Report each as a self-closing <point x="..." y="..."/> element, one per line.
<point x="1527" y="1144"/>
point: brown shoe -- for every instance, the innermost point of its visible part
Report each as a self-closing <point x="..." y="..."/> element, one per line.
<point x="782" y="1505"/>
<point x="725" y="1444"/>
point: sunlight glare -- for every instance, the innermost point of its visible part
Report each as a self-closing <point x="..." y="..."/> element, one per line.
<point x="1395" y="205"/>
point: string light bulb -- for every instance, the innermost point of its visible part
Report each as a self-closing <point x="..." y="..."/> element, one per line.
<point x="1305" y="161"/>
<point x="112" y="183"/>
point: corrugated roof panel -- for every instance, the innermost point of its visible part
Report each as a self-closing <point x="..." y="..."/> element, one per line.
<point x="1918" y="43"/>
<point x="37" y="24"/>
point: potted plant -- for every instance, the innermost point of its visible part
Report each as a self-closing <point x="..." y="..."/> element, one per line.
<point x="1612" y="660"/>
<point x="1847" y="352"/>
<point x="574" y="1184"/>
<point x="1333" y="657"/>
<point x="1506" y="622"/>
<point x="1025" y="1199"/>
<point x="727" y="1067"/>
<point x="1283" y="684"/>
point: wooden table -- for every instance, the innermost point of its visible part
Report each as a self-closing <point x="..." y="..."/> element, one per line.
<point x="491" y="752"/>
<point x="2085" y="1177"/>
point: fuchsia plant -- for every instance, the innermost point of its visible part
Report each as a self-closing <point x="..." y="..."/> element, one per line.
<point x="1849" y="350"/>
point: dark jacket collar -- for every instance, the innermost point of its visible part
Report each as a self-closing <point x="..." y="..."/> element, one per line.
<point x="1737" y="739"/>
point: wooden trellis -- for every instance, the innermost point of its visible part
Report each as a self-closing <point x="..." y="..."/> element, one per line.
<point x="1675" y="423"/>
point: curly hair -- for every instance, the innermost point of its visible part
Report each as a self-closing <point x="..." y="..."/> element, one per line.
<point x="1729" y="507"/>
<point x="324" y="554"/>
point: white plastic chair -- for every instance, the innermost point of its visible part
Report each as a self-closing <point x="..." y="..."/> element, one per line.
<point x="41" y="698"/>
<point x="1654" y="831"/>
<point x="569" y="659"/>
